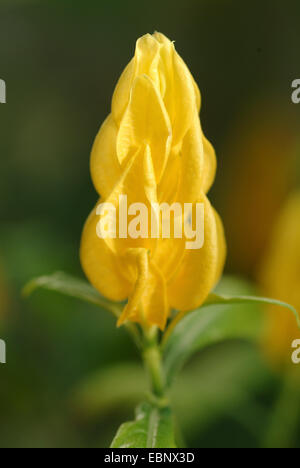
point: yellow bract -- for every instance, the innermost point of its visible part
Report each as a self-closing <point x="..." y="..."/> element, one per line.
<point x="151" y="148"/>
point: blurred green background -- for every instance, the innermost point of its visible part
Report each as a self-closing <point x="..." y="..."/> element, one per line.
<point x="61" y="60"/>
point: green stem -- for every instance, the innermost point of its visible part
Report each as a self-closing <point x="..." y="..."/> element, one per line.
<point x="153" y="364"/>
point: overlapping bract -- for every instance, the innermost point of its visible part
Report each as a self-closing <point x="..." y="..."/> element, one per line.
<point x="151" y="148"/>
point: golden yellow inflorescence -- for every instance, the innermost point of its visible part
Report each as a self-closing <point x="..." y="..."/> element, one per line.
<point x="151" y="148"/>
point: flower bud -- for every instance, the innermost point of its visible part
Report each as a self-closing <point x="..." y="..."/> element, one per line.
<point x="151" y="151"/>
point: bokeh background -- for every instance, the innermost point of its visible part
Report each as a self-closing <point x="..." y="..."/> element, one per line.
<point x="71" y="377"/>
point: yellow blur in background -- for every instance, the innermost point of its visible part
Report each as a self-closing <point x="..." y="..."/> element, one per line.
<point x="280" y="278"/>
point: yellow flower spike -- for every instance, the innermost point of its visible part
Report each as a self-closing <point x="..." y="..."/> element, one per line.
<point x="151" y="150"/>
<point x="280" y="279"/>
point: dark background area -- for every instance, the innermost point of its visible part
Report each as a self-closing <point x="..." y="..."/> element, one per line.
<point x="61" y="61"/>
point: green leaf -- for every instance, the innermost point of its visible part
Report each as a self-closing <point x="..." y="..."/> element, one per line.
<point x="78" y="288"/>
<point x="217" y="299"/>
<point x="152" y="428"/>
<point x="70" y="286"/>
<point x="214" y="322"/>
<point x="207" y="326"/>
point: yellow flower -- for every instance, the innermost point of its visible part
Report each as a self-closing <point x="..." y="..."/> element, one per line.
<point x="281" y="278"/>
<point x="151" y="148"/>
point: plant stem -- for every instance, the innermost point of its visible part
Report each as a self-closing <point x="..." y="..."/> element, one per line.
<point x="153" y="364"/>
